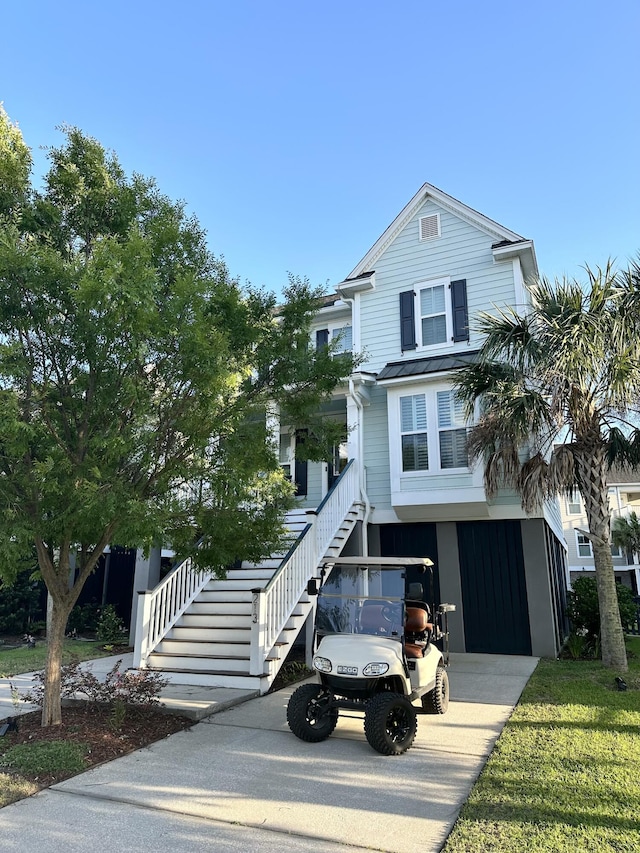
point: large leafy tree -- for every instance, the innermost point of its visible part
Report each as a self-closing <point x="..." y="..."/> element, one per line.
<point x="134" y="379"/>
<point x="557" y="387"/>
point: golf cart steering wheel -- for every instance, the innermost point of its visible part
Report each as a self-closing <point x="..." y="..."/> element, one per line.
<point x="387" y="613"/>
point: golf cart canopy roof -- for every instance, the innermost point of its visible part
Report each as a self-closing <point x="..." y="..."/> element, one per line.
<point x="394" y="562"/>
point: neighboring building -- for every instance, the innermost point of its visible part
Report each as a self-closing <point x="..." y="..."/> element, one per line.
<point x="624" y="496"/>
<point x="406" y="486"/>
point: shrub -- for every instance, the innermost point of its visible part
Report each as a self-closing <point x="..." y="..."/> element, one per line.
<point x="18" y="603"/>
<point x="584" y="612"/>
<point x="110" y="626"/>
<point x="83" y="617"/>
<point x="141" y="687"/>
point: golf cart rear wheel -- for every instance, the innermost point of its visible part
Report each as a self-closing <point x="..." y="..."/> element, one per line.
<point x="436" y="701"/>
<point x="309" y="714"/>
<point x="390" y="723"/>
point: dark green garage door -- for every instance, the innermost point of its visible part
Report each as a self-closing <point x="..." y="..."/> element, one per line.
<point x="494" y="593"/>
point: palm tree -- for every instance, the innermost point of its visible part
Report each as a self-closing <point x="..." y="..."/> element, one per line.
<point x="558" y="387"/>
<point x="625" y="534"/>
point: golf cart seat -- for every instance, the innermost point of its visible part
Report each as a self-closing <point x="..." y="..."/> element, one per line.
<point x="417" y="631"/>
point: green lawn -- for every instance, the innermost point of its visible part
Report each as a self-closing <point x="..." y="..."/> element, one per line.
<point x="565" y="773"/>
<point x="14" y="661"/>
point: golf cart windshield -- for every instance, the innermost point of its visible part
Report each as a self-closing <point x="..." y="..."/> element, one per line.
<point x="362" y="600"/>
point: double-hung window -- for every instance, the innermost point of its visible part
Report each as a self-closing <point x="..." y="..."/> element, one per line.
<point x="584" y="545"/>
<point x="574" y="507"/>
<point x="413" y="430"/>
<point x="344" y="337"/>
<point x="452" y="432"/>
<point x="434" y="314"/>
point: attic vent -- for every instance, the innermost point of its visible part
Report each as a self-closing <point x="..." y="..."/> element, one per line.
<point x="430" y="226"/>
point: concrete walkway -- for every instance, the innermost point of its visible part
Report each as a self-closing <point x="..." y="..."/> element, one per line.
<point x="240" y="780"/>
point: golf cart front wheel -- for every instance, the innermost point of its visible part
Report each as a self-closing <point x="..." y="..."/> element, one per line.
<point x="390" y="723"/>
<point x="310" y="715"/>
<point x="436" y="701"/>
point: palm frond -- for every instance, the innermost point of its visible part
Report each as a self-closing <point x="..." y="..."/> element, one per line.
<point x="562" y="470"/>
<point x="502" y="468"/>
<point x="533" y="483"/>
<point x="623" y="449"/>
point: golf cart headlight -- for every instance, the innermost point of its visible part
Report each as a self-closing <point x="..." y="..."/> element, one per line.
<point x="322" y="664"/>
<point x="375" y="669"/>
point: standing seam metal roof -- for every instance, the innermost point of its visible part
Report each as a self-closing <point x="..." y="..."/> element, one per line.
<point x="432" y="364"/>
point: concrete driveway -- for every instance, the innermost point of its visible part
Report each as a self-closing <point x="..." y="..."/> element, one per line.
<point x="241" y="781"/>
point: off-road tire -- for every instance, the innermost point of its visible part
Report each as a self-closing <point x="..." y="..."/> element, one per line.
<point x="308" y="715"/>
<point x="390" y="723"/>
<point x="436" y="701"/>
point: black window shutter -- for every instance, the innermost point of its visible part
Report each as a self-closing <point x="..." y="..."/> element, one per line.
<point x="459" y="310"/>
<point x="322" y="338"/>
<point x="407" y="320"/>
<point x="300" y="475"/>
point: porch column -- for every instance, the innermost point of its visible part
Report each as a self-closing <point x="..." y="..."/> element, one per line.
<point x="146" y="576"/>
<point x="273" y="426"/>
<point x="353" y="429"/>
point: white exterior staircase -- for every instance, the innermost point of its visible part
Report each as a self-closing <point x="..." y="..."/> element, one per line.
<point x="236" y="632"/>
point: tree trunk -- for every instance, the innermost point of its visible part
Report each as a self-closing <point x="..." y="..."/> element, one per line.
<point x="592" y="471"/>
<point x="52" y="706"/>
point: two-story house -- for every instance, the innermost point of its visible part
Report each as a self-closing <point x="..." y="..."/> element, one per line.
<point x="401" y="481"/>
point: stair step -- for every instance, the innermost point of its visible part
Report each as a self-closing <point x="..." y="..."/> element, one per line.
<point x="218" y="619"/>
<point x="218" y="610"/>
<point x="199" y="634"/>
<point x="262" y="572"/>
<point x="218" y="679"/>
<point x="235" y="596"/>
<point x="204" y="648"/>
<point x="188" y="663"/>
<point x="236" y="584"/>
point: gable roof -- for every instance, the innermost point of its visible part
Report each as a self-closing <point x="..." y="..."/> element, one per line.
<point x="501" y="235"/>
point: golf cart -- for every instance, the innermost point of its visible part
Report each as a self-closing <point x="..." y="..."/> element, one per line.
<point x="379" y="647"/>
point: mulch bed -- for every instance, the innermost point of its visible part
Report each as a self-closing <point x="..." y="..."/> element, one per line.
<point x="93" y="725"/>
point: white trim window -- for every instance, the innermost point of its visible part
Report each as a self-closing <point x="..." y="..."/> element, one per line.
<point x="413" y="433"/>
<point x="452" y="432"/>
<point x="343" y="335"/>
<point x="583" y="544"/>
<point x="574" y="506"/>
<point x="434" y="315"/>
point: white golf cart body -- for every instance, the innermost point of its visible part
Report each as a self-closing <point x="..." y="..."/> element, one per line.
<point x="379" y="647"/>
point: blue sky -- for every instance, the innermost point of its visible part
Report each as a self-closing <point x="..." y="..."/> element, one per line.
<point x="296" y="131"/>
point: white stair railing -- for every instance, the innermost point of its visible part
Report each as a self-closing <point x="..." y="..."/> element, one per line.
<point x="273" y="605"/>
<point x="160" y="608"/>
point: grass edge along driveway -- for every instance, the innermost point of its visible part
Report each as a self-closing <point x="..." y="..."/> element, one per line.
<point x="565" y="772"/>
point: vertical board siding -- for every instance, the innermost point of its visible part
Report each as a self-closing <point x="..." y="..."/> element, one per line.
<point x="494" y="592"/>
<point x="414" y="540"/>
